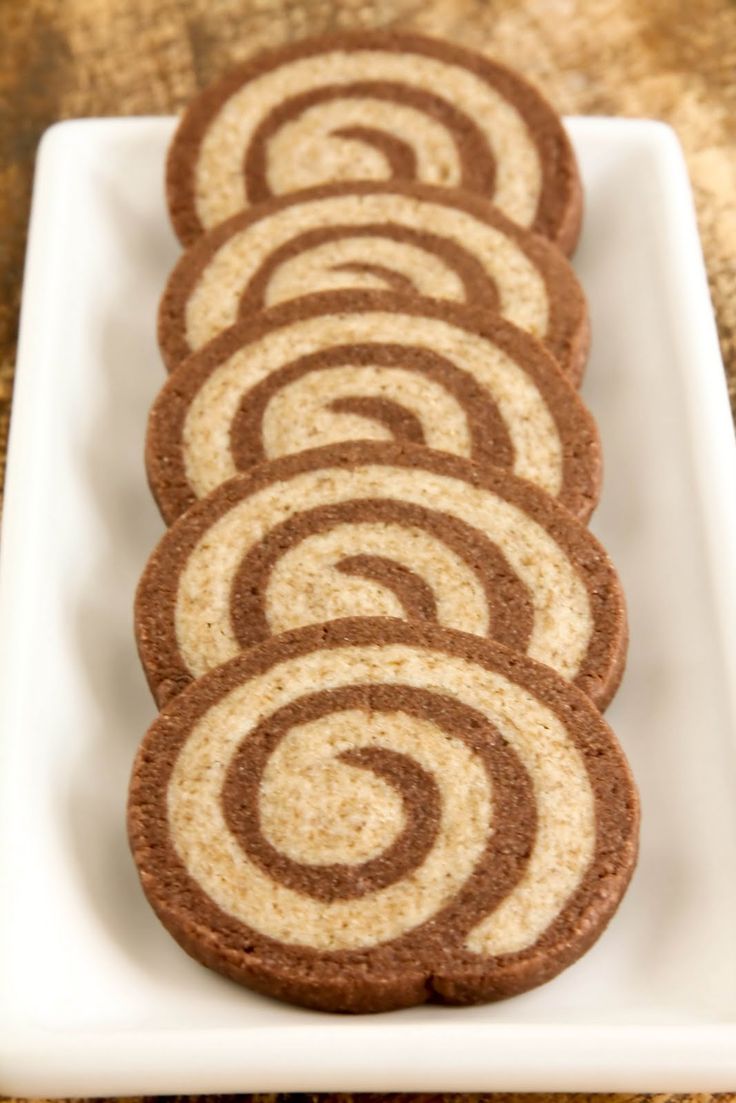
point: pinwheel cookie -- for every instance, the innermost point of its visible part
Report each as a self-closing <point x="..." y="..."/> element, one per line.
<point x="367" y="529"/>
<point x="350" y="365"/>
<point x="371" y="106"/>
<point x="393" y="237"/>
<point x="368" y="815"/>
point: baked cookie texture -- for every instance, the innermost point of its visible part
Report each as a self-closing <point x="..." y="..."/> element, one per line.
<point x="367" y="815"/>
<point x="345" y="365"/>
<point x="371" y="105"/>
<point x="391" y="236"/>
<point x="364" y="529"/>
<point x="380" y="635"/>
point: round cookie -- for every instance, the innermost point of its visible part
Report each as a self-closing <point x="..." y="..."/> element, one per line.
<point x="373" y="105"/>
<point x="368" y="815"/>
<point x="349" y="366"/>
<point x="364" y="529"/>
<point x="393" y="237"/>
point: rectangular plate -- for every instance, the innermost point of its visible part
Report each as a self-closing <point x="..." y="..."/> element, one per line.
<point x="96" y="999"/>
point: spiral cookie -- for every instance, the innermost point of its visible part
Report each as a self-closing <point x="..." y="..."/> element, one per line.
<point x="368" y="814"/>
<point x="347" y="366"/>
<point x="373" y="106"/>
<point x="366" y="529"/>
<point x="393" y="237"/>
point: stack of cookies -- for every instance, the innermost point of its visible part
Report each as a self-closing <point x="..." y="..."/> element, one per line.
<point x="379" y="632"/>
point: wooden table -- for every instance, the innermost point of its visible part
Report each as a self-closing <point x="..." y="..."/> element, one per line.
<point x="662" y="59"/>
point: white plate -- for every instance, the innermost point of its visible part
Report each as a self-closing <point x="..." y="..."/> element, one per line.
<point x="96" y="999"/>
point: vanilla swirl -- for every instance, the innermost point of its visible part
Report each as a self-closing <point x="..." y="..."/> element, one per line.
<point x="370" y="529"/>
<point x="345" y="367"/>
<point x="373" y="106"/>
<point x="374" y="796"/>
<point x="392" y="238"/>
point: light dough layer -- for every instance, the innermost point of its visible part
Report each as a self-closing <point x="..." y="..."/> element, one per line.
<point x="367" y="815"/>
<point x="565" y="831"/>
<point x="351" y="366"/>
<point x="441" y="243"/>
<point x="287" y="424"/>
<point x="373" y="106"/>
<point x="214" y="303"/>
<point x="562" y="619"/>
<point x="307" y="151"/>
<point x="368" y="528"/>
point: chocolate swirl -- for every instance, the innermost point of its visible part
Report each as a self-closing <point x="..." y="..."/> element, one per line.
<point x="366" y="529"/>
<point x="387" y="524"/>
<point x="348" y="365"/>
<point x="435" y="242"/>
<point x="373" y="106"/>
<point x="367" y="815"/>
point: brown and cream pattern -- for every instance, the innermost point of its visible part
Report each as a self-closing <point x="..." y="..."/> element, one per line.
<point x="347" y="366"/>
<point x="373" y="106"/>
<point x="379" y="529"/>
<point x="394" y="237"/>
<point x="368" y="815"/>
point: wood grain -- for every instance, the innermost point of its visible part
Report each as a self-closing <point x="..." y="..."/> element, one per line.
<point x="424" y="1097"/>
<point x="664" y="59"/>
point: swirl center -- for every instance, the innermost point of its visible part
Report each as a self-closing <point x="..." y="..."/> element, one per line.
<point x="295" y="778"/>
<point x="319" y="809"/>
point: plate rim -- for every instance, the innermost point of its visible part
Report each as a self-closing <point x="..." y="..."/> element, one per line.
<point x="696" y="1057"/>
